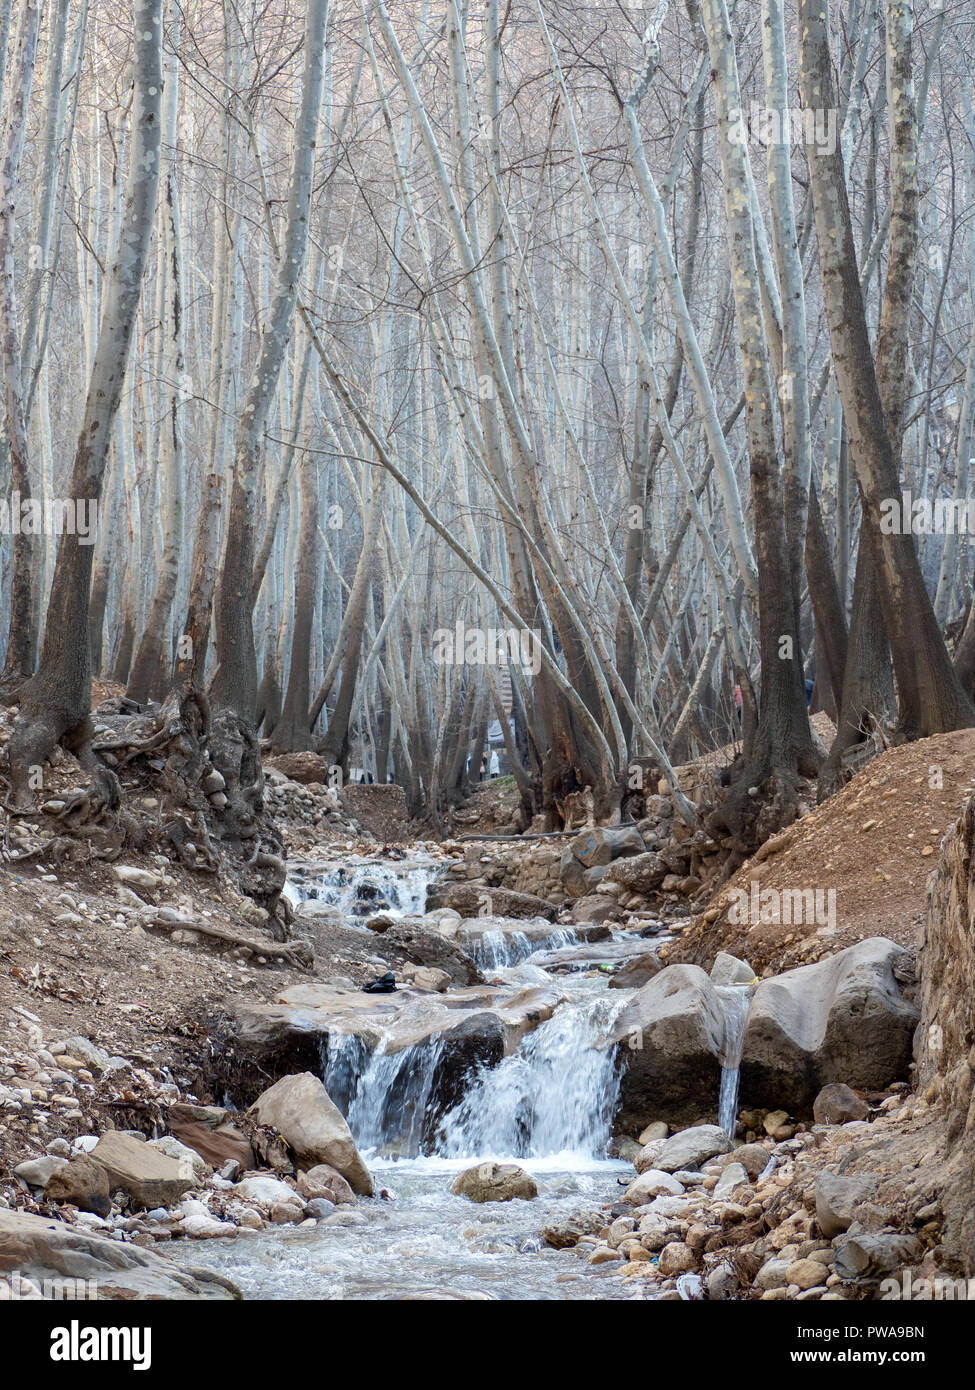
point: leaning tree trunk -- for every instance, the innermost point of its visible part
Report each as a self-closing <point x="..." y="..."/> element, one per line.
<point x="55" y="703"/>
<point x="931" y="699"/>
<point x="235" y="683"/>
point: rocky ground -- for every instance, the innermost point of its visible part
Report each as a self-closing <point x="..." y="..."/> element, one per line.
<point x="139" y="995"/>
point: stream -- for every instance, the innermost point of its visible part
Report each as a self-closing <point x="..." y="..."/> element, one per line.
<point x="548" y="1106"/>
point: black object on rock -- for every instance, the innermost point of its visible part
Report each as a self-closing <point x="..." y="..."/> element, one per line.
<point x="385" y="984"/>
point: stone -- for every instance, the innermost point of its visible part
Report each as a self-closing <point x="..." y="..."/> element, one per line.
<point x="841" y="1019"/>
<point x="670" y="1034"/>
<point x="837" y="1104"/>
<point x="426" y="977"/>
<point x="753" y="1158"/>
<point x="319" y="1208"/>
<point x="183" y="1154"/>
<point x="150" y="1178"/>
<point x="722" y="1282"/>
<point x="302" y="1112"/>
<point x="734" y="1175"/>
<point x="326" y="1182"/>
<point x="677" y="1258"/>
<point x="41" y="1249"/>
<point x="217" y="1145"/>
<point x="602" y="844"/>
<point x="202" y="1227"/>
<point x="657" y="1129"/>
<point x="869" y="1255"/>
<point x="288" y="1213"/>
<point x="593" y="907"/>
<point x="37" y="1172"/>
<point x="806" y="1274"/>
<point x="572" y="876"/>
<point x="774" y="1121"/>
<point x="647" y="1156"/>
<point x="603" y="1254"/>
<point x="838" y="1198"/>
<point x="774" y="1274"/>
<point x="642" y="874"/>
<point x="729" y="970"/>
<point x="494" y="1182"/>
<point x="689" y="1148"/>
<point x="652" y="1183"/>
<point x="82" y="1183"/>
<point x="467" y="899"/>
<point x="137" y="878"/>
<point x="635" y="973"/>
<point x="265" y="1190"/>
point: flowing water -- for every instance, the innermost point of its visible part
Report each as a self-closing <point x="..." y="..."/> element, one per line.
<point x="498" y="950"/>
<point x="548" y="1106"/>
<point x="735" y="1000"/>
<point x="361" y="887"/>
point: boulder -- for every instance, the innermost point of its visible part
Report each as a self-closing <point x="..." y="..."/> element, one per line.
<point x="670" y="1034"/>
<point x="41" y="1249"/>
<point x="593" y="907"/>
<point x="692" y="1147"/>
<point x="838" y="1198"/>
<point x="837" y="1104"/>
<point x="600" y="845"/>
<point x="495" y="1182"/>
<point x="842" y="1019"/>
<point x="82" y="1183"/>
<point x="325" y="1182"/>
<point x="150" y="1178"/>
<point x="636" y="972"/>
<point x="864" y="1257"/>
<point x="641" y="874"/>
<point x="302" y="1112"/>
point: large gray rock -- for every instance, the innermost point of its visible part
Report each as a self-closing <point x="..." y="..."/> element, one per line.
<point x="865" y="1257"/>
<point x="837" y="1199"/>
<point x="301" y="1110"/>
<point x="41" y="1249"/>
<point x="837" y="1104"/>
<point x="150" y="1178"/>
<point x="468" y="900"/>
<point x="636" y="972"/>
<point x="842" y="1019"/>
<point x="670" y="1034"/>
<point x="572" y="875"/>
<point x="729" y="970"/>
<point x="692" y="1147"/>
<point x="495" y="1182"/>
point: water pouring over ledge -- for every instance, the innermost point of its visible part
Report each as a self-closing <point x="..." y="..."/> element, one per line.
<point x="735" y="1000"/>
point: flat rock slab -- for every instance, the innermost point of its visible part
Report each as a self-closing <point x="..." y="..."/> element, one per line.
<point x="148" y="1176"/>
<point x="40" y="1249"/>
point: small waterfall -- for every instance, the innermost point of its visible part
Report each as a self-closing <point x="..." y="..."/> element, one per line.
<point x="361" y="887"/>
<point x="735" y="1000"/>
<point x="385" y="1096"/>
<point x="499" y="950"/>
<point x="556" y="1094"/>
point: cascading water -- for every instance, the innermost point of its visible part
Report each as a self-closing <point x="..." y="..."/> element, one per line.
<point x="556" y="1094"/>
<point x="385" y="1096"/>
<point x="735" y="1001"/>
<point x="499" y="950"/>
<point x="361" y="887"/>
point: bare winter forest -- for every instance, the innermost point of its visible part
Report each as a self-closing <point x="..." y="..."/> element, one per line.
<point x="575" y="396"/>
